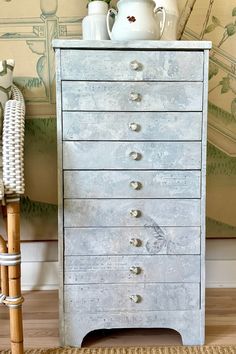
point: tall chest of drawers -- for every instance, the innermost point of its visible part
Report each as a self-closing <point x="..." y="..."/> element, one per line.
<point x="131" y="121"/>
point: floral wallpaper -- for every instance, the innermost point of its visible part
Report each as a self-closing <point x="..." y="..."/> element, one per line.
<point x="215" y="20"/>
<point x="26" y="31"/>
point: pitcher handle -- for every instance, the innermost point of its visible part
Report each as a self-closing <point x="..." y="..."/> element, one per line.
<point x="163" y="11"/>
<point x="110" y="12"/>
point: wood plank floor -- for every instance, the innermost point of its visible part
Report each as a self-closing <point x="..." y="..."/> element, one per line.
<point x="41" y="324"/>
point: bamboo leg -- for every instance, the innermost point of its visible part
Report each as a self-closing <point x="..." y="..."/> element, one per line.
<point x="16" y="326"/>
<point x="3" y="269"/>
<point x="4" y="215"/>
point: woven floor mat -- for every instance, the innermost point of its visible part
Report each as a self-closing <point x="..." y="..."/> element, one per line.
<point x="229" y="349"/>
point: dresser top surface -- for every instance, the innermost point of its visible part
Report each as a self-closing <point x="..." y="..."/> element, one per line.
<point x="137" y="44"/>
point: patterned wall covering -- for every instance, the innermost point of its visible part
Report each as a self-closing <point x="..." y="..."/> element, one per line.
<point x="26" y="30"/>
<point x="215" y="20"/>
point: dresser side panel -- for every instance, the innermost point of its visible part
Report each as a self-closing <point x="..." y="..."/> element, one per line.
<point x="203" y="189"/>
<point x="60" y="197"/>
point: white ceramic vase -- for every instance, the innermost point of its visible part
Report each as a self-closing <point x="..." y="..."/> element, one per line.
<point x="172" y="18"/>
<point x="136" y="19"/>
<point x="94" y="25"/>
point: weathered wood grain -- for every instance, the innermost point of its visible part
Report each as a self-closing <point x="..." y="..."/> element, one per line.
<point x="89" y="155"/>
<point x="153" y="65"/>
<point x="116" y="269"/>
<point x="92" y="299"/>
<point x="117" y="212"/>
<point x="132" y="184"/>
<point x="116" y="126"/>
<point x="116" y="96"/>
<point x="132" y="241"/>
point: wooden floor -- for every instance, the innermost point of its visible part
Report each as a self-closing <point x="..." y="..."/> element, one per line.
<point x="41" y="324"/>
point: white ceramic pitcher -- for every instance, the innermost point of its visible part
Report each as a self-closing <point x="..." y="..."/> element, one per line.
<point x="94" y="25"/>
<point x="172" y="18"/>
<point x="136" y="19"/>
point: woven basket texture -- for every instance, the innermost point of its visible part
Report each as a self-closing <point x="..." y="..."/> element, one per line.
<point x="229" y="349"/>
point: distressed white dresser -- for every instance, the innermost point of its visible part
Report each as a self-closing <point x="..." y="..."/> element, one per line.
<point x="132" y="123"/>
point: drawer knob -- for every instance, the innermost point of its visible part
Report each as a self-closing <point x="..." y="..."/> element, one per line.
<point x="136" y="185"/>
<point x="135" y="65"/>
<point x="134" y="127"/>
<point x="135" y="270"/>
<point x="136" y="242"/>
<point x="135" y="97"/>
<point x="135" y="298"/>
<point x="135" y="155"/>
<point x="135" y="213"/>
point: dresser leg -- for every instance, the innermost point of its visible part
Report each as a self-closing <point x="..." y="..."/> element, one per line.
<point x="74" y="335"/>
<point x="191" y="337"/>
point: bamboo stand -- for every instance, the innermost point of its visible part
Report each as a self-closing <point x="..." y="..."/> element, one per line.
<point x="3" y="269"/>
<point x="14" y="274"/>
<point x="10" y="281"/>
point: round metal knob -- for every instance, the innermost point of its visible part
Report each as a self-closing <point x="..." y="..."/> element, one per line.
<point x="135" y="155"/>
<point x="135" y="185"/>
<point x="135" y="97"/>
<point x="135" y="213"/>
<point x="134" y="127"/>
<point x="135" y="270"/>
<point x="135" y="65"/>
<point x="135" y="298"/>
<point x="136" y="242"/>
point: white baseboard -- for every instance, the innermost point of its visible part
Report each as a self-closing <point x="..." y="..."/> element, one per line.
<point x="44" y="275"/>
<point x="213" y="284"/>
<point x="39" y="275"/>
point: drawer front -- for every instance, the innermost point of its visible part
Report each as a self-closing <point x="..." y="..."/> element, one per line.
<point x="131" y="212"/>
<point x="131" y="155"/>
<point x="128" y="269"/>
<point x="132" y="184"/>
<point x="128" y="241"/>
<point x="132" y="126"/>
<point x="131" y="65"/>
<point x="131" y="96"/>
<point x="109" y="298"/>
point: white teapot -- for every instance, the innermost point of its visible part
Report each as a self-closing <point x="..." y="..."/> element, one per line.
<point x="136" y="19"/>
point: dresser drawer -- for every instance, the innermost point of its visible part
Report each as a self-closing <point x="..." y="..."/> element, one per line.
<point x="131" y="65"/>
<point x="131" y="96"/>
<point x="112" y="298"/>
<point x="132" y="126"/>
<point x="131" y="212"/>
<point x="132" y="184"/>
<point x="131" y="155"/>
<point x="128" y="269"/>
<point x="128" y="241"/>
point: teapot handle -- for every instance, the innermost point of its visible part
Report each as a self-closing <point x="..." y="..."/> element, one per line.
<point x="161" y="9"/>
<point x="110" y="12"/>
